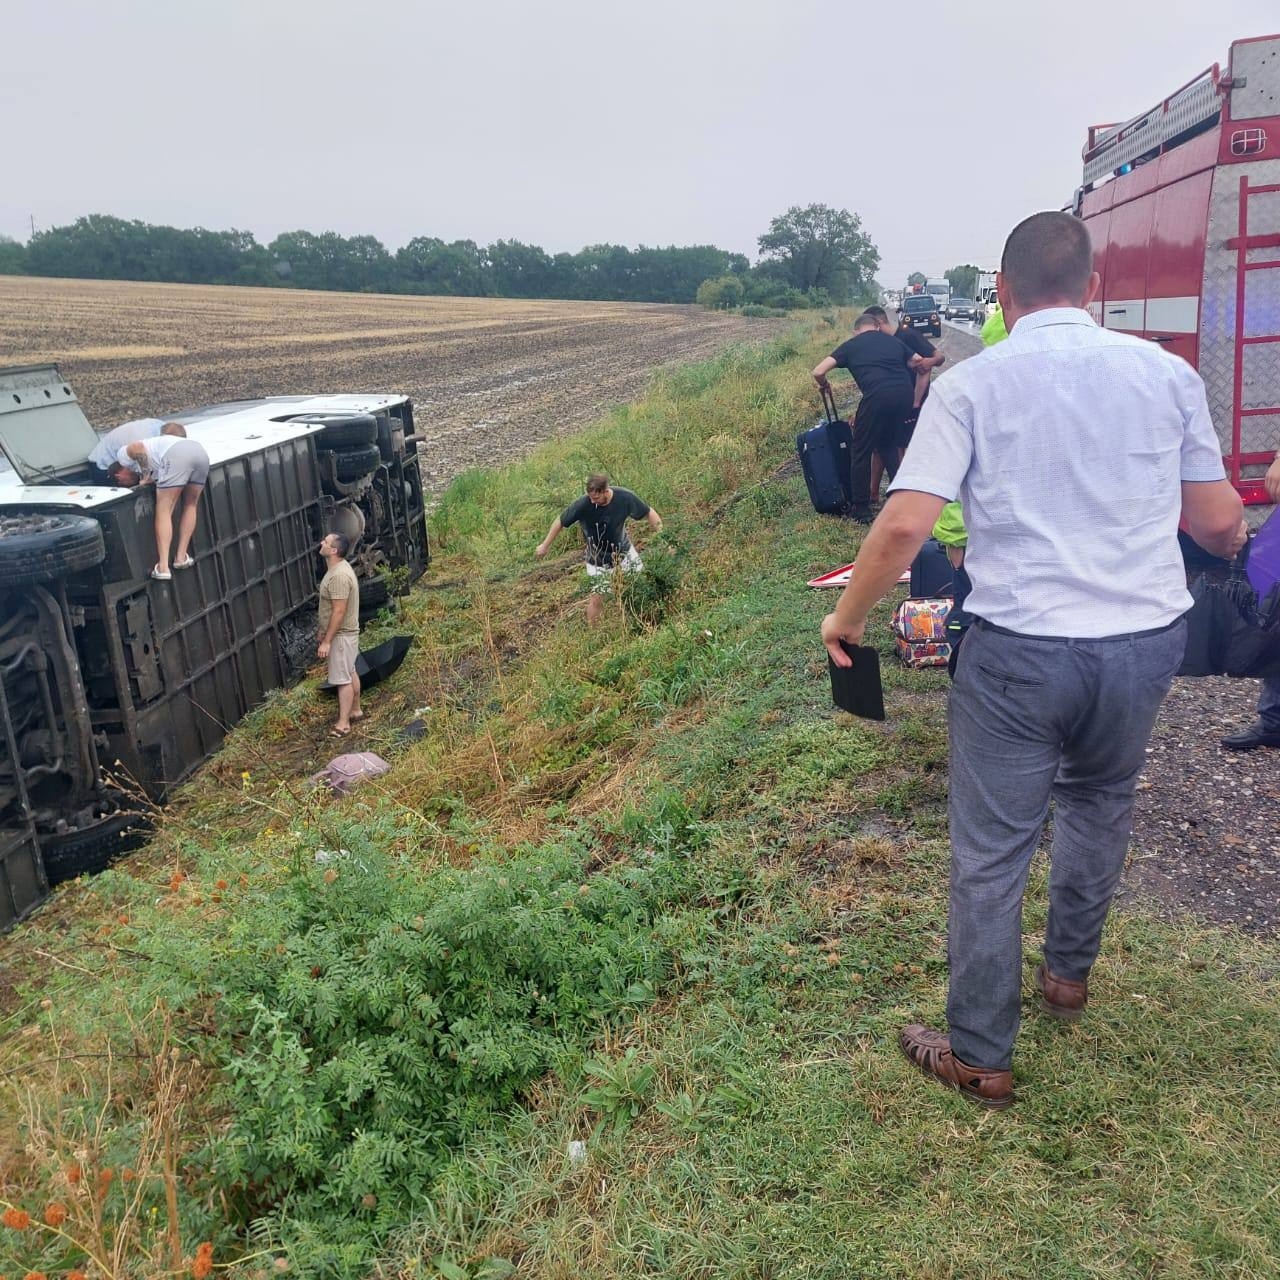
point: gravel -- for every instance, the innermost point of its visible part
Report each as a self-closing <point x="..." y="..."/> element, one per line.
<point x="1206" y="830"/>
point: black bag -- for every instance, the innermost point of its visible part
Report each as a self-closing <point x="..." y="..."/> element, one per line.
<point x="857" y="689"/>
<point x="1228" y="631"/>
<point x="931" y="572"/>
<point x="826" y="455"/>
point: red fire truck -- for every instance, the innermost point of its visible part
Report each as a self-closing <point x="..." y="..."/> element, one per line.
<point x="1183" y="206"/>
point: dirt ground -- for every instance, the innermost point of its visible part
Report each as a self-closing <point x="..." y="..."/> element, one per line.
<point x="489" y="378"/>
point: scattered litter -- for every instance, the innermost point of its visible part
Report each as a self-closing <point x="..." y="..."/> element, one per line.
<point x="331" y="855"/>
<point x="577" y="1153"/>
<point x="344" y="772"/>
<point x="415" y="729"/>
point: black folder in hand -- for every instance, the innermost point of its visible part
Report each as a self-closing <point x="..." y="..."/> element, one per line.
<point x="857" y="689"/>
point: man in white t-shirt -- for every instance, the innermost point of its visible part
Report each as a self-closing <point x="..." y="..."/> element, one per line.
<point x="104" y="455"/>
<point x="1074" y="451"/>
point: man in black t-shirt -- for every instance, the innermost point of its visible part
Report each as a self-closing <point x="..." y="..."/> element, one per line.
<point x="918" y="345"/>
<point x="882" y="368"/>
<point x="603" y="513"/>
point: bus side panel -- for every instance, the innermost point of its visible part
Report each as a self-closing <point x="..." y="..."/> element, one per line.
<point x="1258" y="434"/>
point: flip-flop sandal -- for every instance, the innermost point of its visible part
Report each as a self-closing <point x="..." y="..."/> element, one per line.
<point x="184" y="564"/>
<point x="158" y="576"/>
<point x="339" y="733"/>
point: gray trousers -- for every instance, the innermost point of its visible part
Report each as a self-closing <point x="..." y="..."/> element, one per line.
<point x="1035" y="718"/>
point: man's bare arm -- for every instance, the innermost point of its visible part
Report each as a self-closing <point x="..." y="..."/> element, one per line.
<point x="545" y="544"/>
<point x="821" y="370"/>
<point x="1271" y="481"/>
<point x="1215" y="516"/>
<point x="655" y="520"/>
<point x="335" y="621"/>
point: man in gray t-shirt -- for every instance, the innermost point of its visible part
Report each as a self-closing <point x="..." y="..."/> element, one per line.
<point x="1074" y="450"/>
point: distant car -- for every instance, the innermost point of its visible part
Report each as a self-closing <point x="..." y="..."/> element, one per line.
<point x="961" y="309"/>
<point x="920" y="311"/>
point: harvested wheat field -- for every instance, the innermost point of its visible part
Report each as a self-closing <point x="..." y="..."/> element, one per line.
<point x="489" y="377"/>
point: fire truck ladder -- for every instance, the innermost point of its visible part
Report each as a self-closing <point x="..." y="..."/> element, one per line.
<point x="1250" y="489"/>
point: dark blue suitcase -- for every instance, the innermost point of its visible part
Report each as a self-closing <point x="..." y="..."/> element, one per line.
<point x="931" y="572"/>
<point x="825" y="458"/>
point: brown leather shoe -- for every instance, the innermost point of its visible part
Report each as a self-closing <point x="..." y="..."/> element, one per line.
<point x="931" y="1051"/>
<point x="1061" y="997"/>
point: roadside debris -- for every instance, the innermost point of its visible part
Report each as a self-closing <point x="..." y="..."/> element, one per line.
<point x="342" y="773"/>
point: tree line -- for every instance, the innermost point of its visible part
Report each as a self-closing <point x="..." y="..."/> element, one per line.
<point x="807" y="256"/>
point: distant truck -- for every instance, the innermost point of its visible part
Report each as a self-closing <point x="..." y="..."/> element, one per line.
<point x="984" y="294"/>
<point x="940" y="291"/>
<point x="1182" y="204"/>
<point x="108" y="675"/>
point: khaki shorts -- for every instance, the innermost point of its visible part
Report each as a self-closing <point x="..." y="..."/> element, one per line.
<point x="344" y="648"/>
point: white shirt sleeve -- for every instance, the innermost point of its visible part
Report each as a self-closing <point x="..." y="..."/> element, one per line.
<point x="1201" y="451"/>
<point x="122" y="457"/>
<point x="941" y="451"/>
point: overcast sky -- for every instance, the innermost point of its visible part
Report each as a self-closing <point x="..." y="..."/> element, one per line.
<point x="571" y="122"/>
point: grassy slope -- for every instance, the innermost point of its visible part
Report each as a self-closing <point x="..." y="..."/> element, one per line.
<point x="756" y="1120"/>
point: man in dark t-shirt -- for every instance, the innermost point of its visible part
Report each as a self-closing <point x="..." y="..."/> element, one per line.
<point x="603" y="513"/>
<point x="882" y="368"/>
<point x="918" y="345"/>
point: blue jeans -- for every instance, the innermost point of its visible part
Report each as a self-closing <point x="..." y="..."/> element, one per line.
<point x="1269" y="704"/>
<point x="1034" y="719"/>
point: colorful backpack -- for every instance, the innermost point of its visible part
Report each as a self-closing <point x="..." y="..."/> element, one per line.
<point x="920" y="632"/>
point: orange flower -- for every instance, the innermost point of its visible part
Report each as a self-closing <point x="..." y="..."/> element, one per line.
<point x="55" y="1214"/>
<point x="34" y="1275"/>
<point x="203" y="1263"/>
<point x="175" y="882"/>
<point x="76" y="1275"/>
<point x="73" y="1174"/>
<point x="128" y="1174"/>
<point x="123" y="919"/>
<point x="222" y="884"/>
<point x="17" y="1219"/>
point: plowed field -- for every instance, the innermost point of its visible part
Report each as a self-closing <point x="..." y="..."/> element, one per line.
<point x="489" y="377"/>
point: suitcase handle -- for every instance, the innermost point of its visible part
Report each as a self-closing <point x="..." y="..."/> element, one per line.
<point x="829" y="403"/>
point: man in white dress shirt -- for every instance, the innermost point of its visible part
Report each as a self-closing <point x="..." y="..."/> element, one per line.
<point x="1074" y="450"/>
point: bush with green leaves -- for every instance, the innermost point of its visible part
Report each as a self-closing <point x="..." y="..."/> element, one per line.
<point x="370" y="1014"/>
<point x="720" y="293"/>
